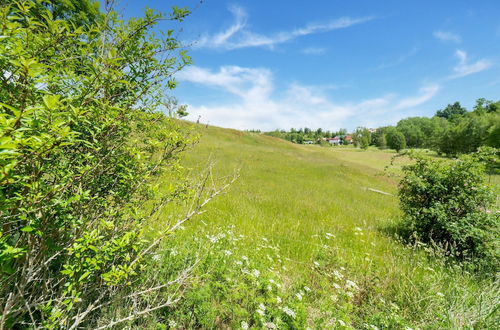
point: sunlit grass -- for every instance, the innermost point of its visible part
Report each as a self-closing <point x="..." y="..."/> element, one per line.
<point x="318" y="205"/>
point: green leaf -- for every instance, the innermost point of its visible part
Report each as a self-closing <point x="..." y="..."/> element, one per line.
<point x="84" y="276"/>
<point x="27" y="229"/>
<point x="51" y="101"/>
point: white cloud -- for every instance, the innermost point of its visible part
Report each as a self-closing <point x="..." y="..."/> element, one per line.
<point x="238" y="36"/>
<point x="314" y="51"/>
<point x="426" y="93"/>
<point x="447" y="36"/>
<point x="463" y="68"/>
<point x="298" y="106"/>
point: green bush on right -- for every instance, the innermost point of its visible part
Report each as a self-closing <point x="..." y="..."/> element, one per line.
<point x="448" y="205"/>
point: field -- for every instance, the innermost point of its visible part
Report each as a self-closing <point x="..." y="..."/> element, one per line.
<point x="314" y="219"/>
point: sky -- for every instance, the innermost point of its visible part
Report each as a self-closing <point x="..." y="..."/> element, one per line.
<point x="333" y="64"/>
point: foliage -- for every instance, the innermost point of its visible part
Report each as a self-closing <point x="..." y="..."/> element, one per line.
<point x="362" y="137"/>
<point x="396" y="140"/>
<point x="312" y="204"/>
<point x="449" y="204"/>
<point x="81" y="148"/>
<point x="451" y="111"/>
<point x="302" y="135"/>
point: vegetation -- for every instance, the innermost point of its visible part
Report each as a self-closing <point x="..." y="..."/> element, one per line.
<point x="94" y="198"/>
<point x="270" y="254"/>
<point x="302" y="135"/>
<point x="452" y="131"/>
<point x="448" y="204"/>
<point x="82" y="145"/>
<point x="362" y="137"/>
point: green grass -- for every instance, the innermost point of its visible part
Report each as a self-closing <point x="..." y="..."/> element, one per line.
<point x="314" y="205"/>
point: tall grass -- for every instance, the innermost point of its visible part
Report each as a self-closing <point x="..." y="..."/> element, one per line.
<point x="308" y="217"/>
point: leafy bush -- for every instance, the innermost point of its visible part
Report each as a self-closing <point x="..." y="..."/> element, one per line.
<point x="81" y="145"/>
<point x="449" y="204"/>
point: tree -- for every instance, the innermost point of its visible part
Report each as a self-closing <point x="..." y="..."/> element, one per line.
<point x="396" y="140"/>
<point x="362" y="137"/>
<point x="451" y="111"/>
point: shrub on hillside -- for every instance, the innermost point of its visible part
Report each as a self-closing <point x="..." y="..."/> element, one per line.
<point x="449" y="205"/>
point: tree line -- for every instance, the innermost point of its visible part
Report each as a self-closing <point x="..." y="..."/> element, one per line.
<point x="451" y="131"/>
<point x="303" y="135"/>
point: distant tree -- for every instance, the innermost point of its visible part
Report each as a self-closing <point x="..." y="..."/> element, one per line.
<point x="451" y="111"/>
<point x="396" y="140"/>
<point x="362" y="137"/>
<point x="486" y="106"/>
<point x="341" y="132"/>
<point x="379" y="140"/>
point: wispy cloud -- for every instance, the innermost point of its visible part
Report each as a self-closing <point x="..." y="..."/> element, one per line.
<point x="297" y="105"/>
<point x="238" y="36"/>
<point x="426" y="93"/>
<point x="314" y="51"/>
<point x="447" y="36"/>
<point x="464" y="68"/>
<point x="400" y="60"/>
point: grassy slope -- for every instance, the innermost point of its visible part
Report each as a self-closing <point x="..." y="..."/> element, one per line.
<point x="293" y="195"/>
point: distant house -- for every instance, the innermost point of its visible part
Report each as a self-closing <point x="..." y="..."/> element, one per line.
<point x="308" y="142"/>
<point x="335" y="141"/>
<point x="348" y="139"/>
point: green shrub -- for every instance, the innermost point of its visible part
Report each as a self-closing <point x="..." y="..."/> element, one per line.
<point x="81" y="145"/>
<point x="396" y="140"/>
<point x="447" y="203"/>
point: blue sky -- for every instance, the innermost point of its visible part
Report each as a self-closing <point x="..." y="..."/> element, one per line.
<point x="334" y="64"/>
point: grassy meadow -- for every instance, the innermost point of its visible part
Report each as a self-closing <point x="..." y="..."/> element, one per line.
<point x="307" y="217"/>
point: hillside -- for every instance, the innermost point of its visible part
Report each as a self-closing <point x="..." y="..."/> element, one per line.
<point x="314" y="205"/>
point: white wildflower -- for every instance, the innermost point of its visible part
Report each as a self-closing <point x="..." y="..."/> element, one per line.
<point x="255" y="272"/>
<point x="172" y="324"/>
<point x="289" y="312"/>
<point x="271" y="325"/>
<point x="174" y="252"/>
<point x="269" y="287"/>
<point x="298" y="295"/>
<point x="351" y="285"/>
<point x="244" y="325"/>
<point x="227" y="252"/>
<point x="440" y="294"/>
<point x="239" y="263"/>
<point x="156" y="257"/>
<point x="265" y="239"/>
<point x="261" y="312"/>
<point x="244" y="258"/>
<point x="342" y="323"/>
<point x="338" y="275"/>
<point x="336" y="286"/>
<point x="316" y="263"/>
<point x="262" y="306"/>
<point x="308" y="289"/>
<point x="278" y="300"/>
